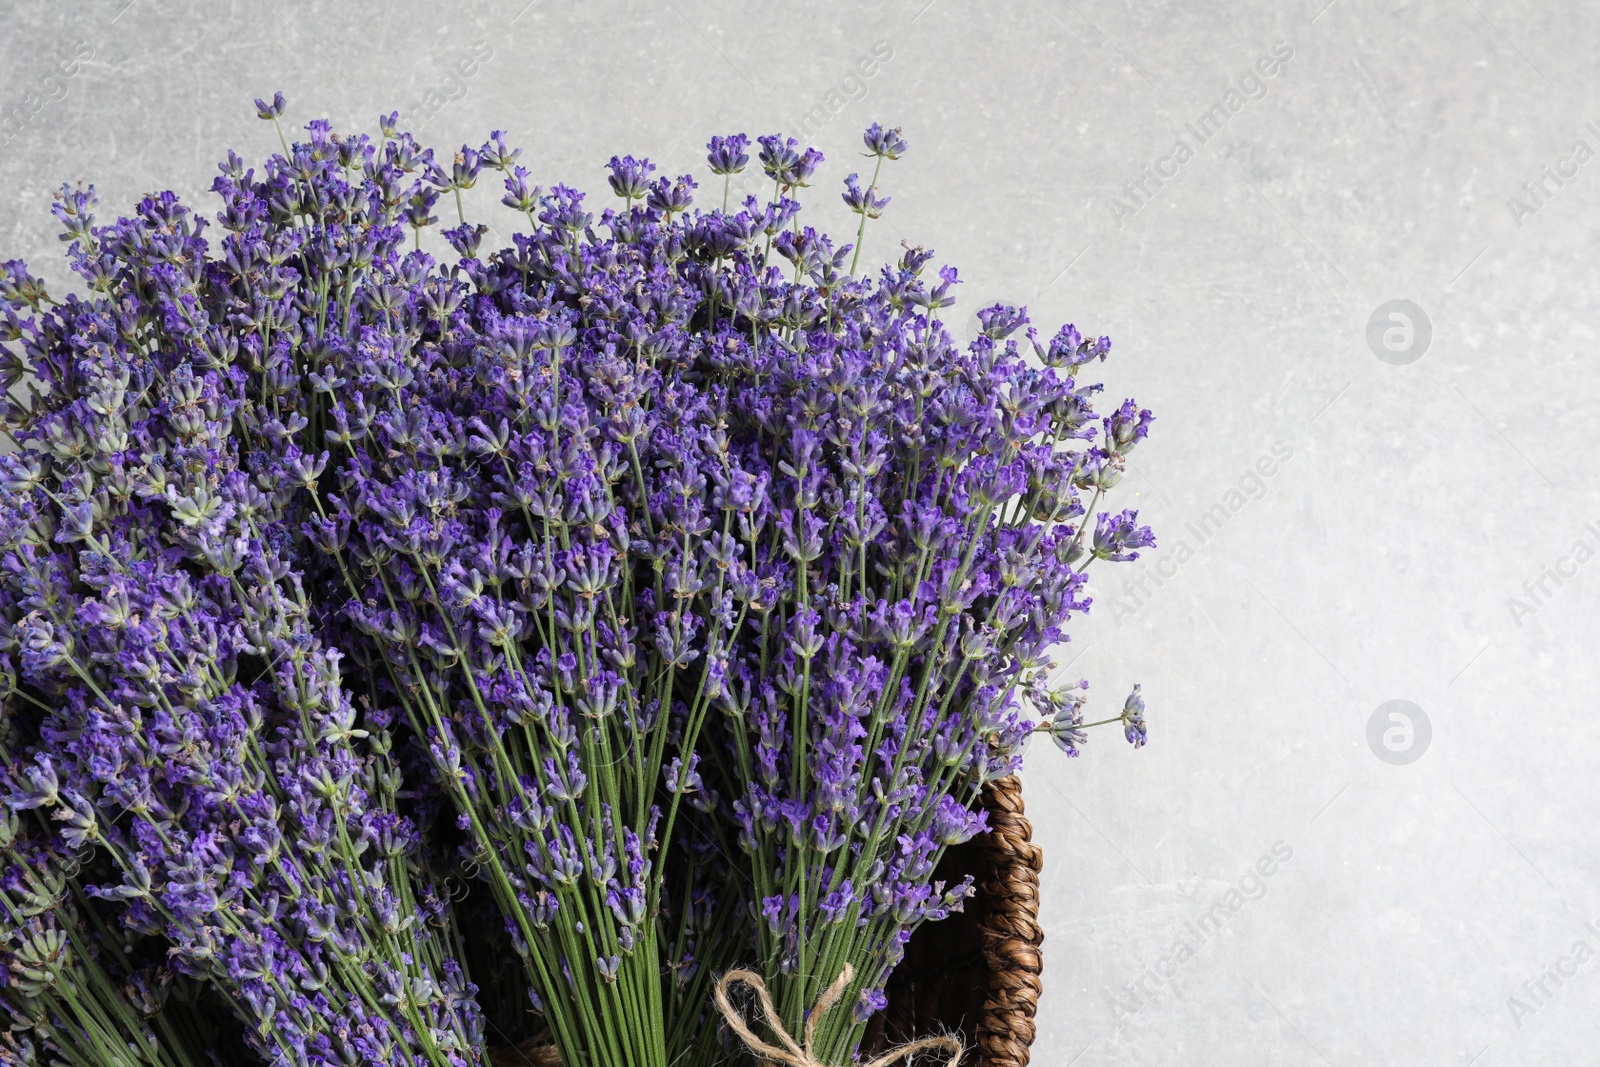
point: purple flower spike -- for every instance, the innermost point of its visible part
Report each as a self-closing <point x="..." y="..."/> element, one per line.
<point x="629" y="177"/>
<point x="1128" y="425"/>
<point x="270" y="111"/>
<point x="727" y="155"/>
<point x="1133" y="719"/>
<point x="863" y="201"/>
<point x="784" y="163"/>
<point x="887" y="144"/>
<point x="1118" y="537"/>
<point x="1000" y="321"/>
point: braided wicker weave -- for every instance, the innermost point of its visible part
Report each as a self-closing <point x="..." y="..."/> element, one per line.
<point x="976" y="973"/>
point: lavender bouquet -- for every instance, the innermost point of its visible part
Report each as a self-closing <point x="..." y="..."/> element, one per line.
<point x="644" y="599"/>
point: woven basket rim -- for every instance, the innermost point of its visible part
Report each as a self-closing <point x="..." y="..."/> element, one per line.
<point x="1012" y="937"/>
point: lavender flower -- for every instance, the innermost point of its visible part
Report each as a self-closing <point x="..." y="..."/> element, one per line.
<point x="1000" y="321"/>
<point x="1133" y="719"/>
<point x="726" y="155"/>
<point x="1128" y="425"/>
<point x="272" y="110"/>
<point x="785" y="164"/>
<point x="886" y="144"/>
<point x="862" y="201"/>
<point x="629" y="177"/>
<point x="1118" y="537"/>
<point x="671" y="198"/>
<point x="1066" y="727"/>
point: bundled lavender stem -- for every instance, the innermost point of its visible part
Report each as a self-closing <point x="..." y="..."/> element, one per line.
<point x="197" y="731"/>
<point x="914" y="546"/>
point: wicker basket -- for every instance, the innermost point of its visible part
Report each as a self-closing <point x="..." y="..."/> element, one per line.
<point x="976" y="973"/>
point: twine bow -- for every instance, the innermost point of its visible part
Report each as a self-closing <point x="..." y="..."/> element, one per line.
<point x="794" y="1055"/>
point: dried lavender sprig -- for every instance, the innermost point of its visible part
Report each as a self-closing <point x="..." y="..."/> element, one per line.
<point x="881" y="144"/>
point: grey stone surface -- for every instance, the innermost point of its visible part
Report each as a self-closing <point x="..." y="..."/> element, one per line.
<point x="1383" y="560"/>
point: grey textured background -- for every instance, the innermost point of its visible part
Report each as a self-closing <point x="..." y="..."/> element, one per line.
<point x="1377" y="563"/>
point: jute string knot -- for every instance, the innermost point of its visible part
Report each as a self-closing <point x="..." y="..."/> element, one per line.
<point x="794" y="1055"/>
